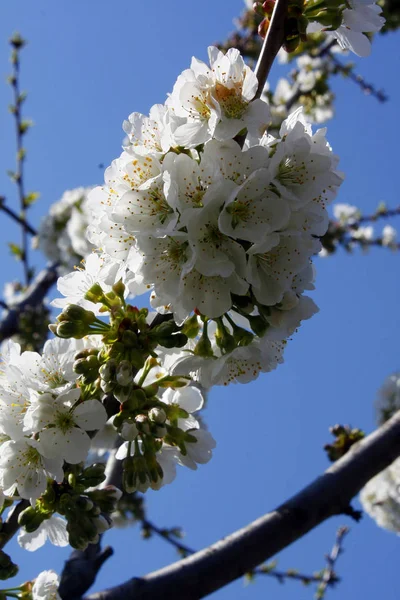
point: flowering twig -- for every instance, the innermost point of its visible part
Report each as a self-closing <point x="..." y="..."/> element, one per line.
<point x="213" y="568"/>
<point x="329" y="573"/>
<point x="381" y="213"/>
<point x="16" y="217"/>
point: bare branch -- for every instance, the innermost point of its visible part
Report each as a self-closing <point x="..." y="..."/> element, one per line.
<point x="331" y="559"/>
<point x="33" y="296"/>
<point x="330" y="494"/>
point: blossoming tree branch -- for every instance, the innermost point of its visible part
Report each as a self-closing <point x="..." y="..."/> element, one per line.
<point x="216" y="207"/>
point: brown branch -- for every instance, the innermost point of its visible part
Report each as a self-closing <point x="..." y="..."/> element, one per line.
<point x="330" y="494"/>
<point x="272" y="44"/>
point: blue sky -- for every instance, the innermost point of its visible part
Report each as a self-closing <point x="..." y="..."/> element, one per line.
<point x="87" y="67"/>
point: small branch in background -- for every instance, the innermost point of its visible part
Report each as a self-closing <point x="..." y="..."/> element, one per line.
<point x="21" y="127"/>
<point x="169" y="535"/>
<point x="16" y="217"/>
<point x="290" y="574"/>
<point x="329" y="574"/>
<point x="32" y="297"/>
<point x="381" y="213"/>
<point x="10" y="526"/>
<point x="347" y="71"/>
<point x="3" y="305"/>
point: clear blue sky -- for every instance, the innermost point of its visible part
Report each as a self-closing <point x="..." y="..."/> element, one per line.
<point x="88" y="65"/>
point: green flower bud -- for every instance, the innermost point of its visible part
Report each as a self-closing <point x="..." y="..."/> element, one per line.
<point x="119" y="289"/>
<point x="31" y="519"/>
<point x="72" y="329"/>
<point x="178" y="340"/>
<point x="203" y="347"/>
<point x="73" y="312"/>
<point x="130" y="339"/>
<point x="93" y="475"/>
<point x="108" y="370"/>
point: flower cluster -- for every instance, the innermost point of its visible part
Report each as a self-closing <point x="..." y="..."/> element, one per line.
<point x="214" y="229"/>
<point x="61" y="235"/>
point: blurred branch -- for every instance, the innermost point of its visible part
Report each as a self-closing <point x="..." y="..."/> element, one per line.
<point x="81" y="569"/>
<point x="329" y="573"/>
<point x="221" y="563"/>
<point x="33" y="296"/>
<point x="21" y="128"/>
<point x="16" y="218"/>
<point x="347" y="71"/>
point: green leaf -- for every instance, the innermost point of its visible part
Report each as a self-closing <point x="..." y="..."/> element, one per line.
<point x="31" y="198"/>
<point x="16" y="250"/>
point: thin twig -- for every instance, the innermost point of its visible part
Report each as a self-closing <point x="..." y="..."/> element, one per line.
<point x="282" y="576"/>
<point x="331" y="559"/>
<point x="16" y="217"/>
<point x="166" y="535"/>
<point x="19" y="173"/>
<point x="367" y="88"/>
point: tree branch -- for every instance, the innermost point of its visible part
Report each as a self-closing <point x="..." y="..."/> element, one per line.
<point x="330" y="494"/>
<point x="10" y="527"/>
<point x="33" y="296"/>
<point x="22" y="222"/>
<point x="272" y="44"/>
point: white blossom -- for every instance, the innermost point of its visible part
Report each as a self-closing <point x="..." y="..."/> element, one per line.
<point x="46" y="586"/>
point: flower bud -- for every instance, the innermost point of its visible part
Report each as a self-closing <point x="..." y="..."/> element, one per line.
<point x="72" y="329"/>
<point x="95" y="294"/>
<point x="129" y="431"/>
<point x="124" y="373"/>
<point x="74" y="312"/>
<point x="157" y="415"/>
<point x="108" y="370"/>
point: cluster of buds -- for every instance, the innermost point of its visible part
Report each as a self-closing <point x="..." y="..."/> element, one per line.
<point x="87" y="512"/>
